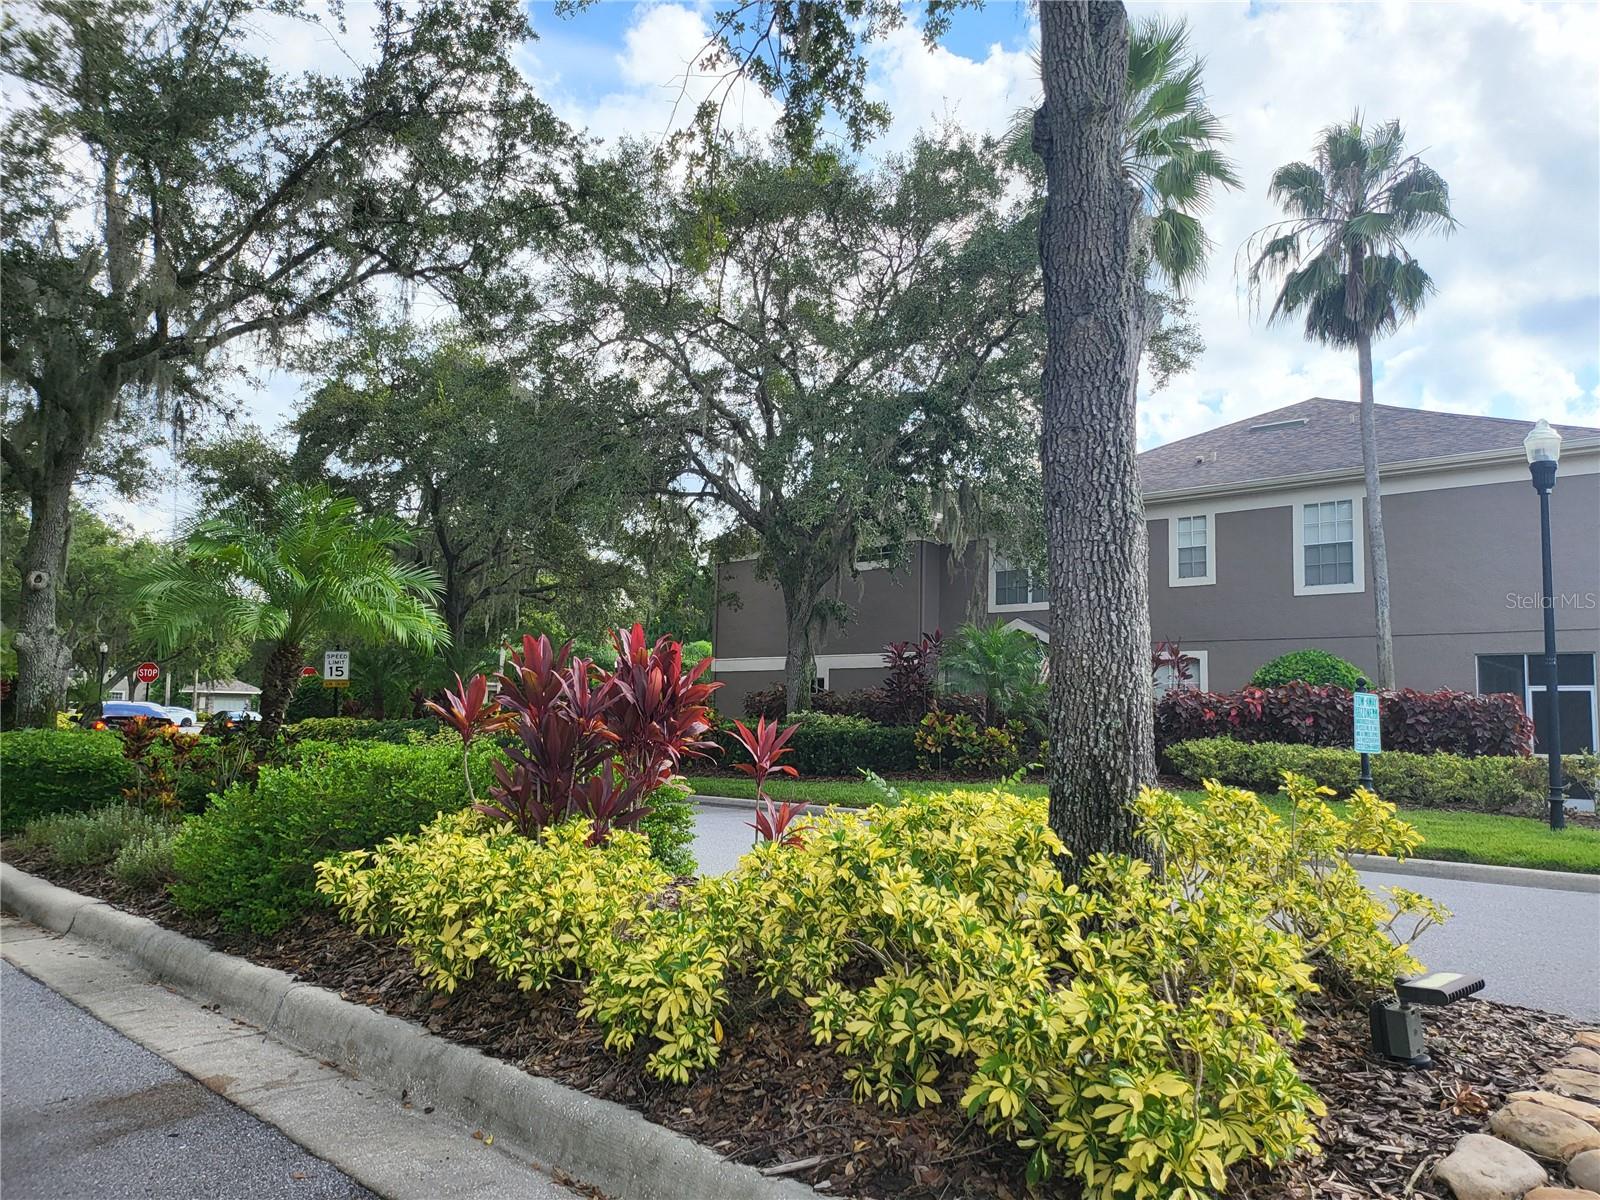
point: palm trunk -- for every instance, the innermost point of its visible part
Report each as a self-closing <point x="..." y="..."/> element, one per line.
<point x="43" y="658"/>
<point x="277" y="685"/>
<point x="1100" y="720"/>
<point x="1377" y="548"/>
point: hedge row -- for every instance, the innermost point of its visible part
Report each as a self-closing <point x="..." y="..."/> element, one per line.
<point x="361" y="729"/>
<point x="823" y="747"/>
<point x="1301" y="714"/>
<point x="1489" y="783"/>
<point x="59" y="770"/>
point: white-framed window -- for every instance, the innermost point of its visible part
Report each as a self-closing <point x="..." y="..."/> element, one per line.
<point x="1329" y="550"/>
<point x="1015" y="589"/>
<point x="1194" y="678"/>
<point x="1523" y="675"/>
<point x="1192" y="549"/>
<point x="875" y="558"/>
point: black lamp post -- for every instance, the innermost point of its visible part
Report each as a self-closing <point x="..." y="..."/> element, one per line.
<point x="1543" y="446"/>
<point x="101" y="696"/>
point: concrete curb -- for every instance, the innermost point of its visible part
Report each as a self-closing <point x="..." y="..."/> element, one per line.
<point x="1438" y="868"/>
<point x="599" y="1142"/>
<point x="1431" y="868"/>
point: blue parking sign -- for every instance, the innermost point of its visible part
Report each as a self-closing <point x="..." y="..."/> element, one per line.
<point x="1364" y="709"/>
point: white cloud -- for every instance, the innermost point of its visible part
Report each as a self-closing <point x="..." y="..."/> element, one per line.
<point x="928" y="85"/>
<point x="661" y="65"/>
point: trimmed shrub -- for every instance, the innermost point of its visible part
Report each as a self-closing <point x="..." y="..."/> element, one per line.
<point x="956" y="743"/>
<point x="90" y="839"/>
<point x="1307" y="666"/>
<point x="1300" y="714"/>
<point x="943" y="957"/>
<point x="826" y="746"/>
<point x="875" y="704"/>
<point x="59" y="770"/>
<point x="361" y="729"/>
<point x="249" y="858"/>
<point x="145" y="860"/>
<point x="669" y="826"/>
<point x="1488" y="783"/>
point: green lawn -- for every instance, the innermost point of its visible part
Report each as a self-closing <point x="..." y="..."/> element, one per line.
<point x="1451" y="836"/>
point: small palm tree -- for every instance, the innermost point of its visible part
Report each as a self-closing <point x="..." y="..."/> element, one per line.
<point x="1340" y="262"/>
<point x="312" y="569"/>
<point x="1004" y="666"/>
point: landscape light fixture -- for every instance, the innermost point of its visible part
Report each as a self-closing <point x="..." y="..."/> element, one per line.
<point x="1396" y="1023"/>
<point x="1543" y="447"/>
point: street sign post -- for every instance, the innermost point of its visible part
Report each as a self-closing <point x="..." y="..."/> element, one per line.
<point x="308" y="672"/>
<point x="147" y="672"/>
<point x="1367" y="731"/>
<point x="336" y="669"/>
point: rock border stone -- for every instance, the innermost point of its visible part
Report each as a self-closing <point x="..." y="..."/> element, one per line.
<point x="1553" y="1124"/>
<point x="597" y="1141"/>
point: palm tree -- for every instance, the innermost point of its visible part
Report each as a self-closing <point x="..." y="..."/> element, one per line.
<point x="313" y="569"/>
<point x="1003" y="665"/>
<point x="1171" y="150"/>
<point x="1340" y="261"/>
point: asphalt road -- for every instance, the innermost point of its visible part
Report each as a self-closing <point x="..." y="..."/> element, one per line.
<point x="86" y="1113"/>
<point x="1534" y="947"/>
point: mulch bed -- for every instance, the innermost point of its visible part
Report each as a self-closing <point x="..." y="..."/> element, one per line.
<point x="778" y="1101"/>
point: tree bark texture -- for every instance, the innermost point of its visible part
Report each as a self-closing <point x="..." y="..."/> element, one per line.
<point x="1101" y="737"/>
<point x="799" y="611"/>
<point x="278" y="679"/>
<point x="43" y="657"/>
<point x="1377" y="547"/>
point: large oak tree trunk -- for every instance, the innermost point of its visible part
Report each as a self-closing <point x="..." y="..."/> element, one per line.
<point x="43" y="657"/>
<point x="798" y="614"/>
<point x="1101" y="747"/>
<point x="1377" y="548"/>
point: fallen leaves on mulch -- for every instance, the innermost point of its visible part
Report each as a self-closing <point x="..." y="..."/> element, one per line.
<point x="780" y="1103"/>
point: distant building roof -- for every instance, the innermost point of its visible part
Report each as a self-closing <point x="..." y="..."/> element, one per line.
<point x="1322" y="435"/>
<point x="230" y="687"/>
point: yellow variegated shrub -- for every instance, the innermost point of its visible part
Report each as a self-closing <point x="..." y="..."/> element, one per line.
<point x="1130" y="1031"/>
<point x="464" y="890"/>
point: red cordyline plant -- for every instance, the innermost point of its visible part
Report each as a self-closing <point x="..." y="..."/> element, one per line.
<point x="471" y="712"/>
<point x="766" y="745"/>
<point x="666" y="711"/>
<point x="590" y="743"/>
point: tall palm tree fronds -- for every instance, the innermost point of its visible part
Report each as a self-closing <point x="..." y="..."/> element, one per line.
<point x="1340" y="260"/>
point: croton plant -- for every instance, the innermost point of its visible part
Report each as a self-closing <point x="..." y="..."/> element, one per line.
<point x="588" y="742"/>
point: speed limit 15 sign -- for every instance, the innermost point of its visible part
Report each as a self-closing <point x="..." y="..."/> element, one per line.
<point x="336" y="664"/>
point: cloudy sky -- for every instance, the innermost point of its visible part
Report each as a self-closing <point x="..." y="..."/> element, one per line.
<point x="1502" y="98"/>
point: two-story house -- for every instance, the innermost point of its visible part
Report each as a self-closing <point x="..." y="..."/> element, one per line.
<point x="1258" y="547"/>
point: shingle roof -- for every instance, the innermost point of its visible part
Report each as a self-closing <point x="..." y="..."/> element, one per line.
<point x="1321" y="435"/>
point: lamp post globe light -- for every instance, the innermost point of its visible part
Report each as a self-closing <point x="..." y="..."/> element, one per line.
<point x="100" y="697"/>
<point x="1543" y="447"/>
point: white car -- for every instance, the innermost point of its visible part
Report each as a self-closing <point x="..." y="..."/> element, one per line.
<point x="183" y="718"/>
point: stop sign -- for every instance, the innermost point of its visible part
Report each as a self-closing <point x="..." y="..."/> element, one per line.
<point x="307" y="672"/>
<point x="147" y="672"/>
